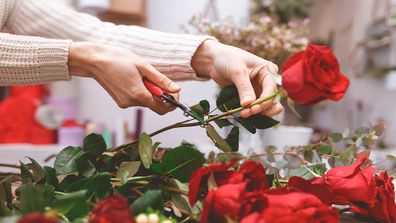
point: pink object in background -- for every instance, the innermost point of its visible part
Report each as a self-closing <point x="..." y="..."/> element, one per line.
<point x="68" y="106"/>
<point x="71" y="133"/>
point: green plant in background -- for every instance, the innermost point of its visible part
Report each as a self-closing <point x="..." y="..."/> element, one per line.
<point x="283" y="11"/>
<point x="262" y="36"/>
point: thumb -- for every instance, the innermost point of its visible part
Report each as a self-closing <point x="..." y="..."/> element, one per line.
<point x="149" y="72"/>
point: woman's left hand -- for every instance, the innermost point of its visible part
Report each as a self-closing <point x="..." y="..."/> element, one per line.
<point x="230" y="65"/>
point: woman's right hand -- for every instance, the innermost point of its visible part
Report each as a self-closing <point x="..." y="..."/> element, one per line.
<point x="120" y="72"/>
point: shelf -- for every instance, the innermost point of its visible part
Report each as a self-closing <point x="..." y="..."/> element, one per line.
<point x="13" y="153"/>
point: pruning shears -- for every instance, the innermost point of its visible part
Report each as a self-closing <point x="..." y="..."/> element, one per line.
<point x="167" y="98"/>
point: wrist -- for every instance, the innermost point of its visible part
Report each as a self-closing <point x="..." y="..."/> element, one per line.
<point x="82" y="58"/>
<point x="202" y="61"/>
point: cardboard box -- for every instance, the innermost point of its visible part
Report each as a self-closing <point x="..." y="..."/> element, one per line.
<point x="135" y="7"/>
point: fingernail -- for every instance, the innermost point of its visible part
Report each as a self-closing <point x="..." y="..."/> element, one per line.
<point x="174" y="86"/>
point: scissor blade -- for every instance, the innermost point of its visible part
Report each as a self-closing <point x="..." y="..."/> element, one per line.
<point x="186" y="110"/>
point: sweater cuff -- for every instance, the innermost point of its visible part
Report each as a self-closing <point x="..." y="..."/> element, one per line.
<point x="33" y="60"/>
<point x="177" y="64"/>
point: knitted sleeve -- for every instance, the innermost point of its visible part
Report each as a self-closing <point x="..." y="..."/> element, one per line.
<point x="170" y="53"/>
<point x="28" y="60"/>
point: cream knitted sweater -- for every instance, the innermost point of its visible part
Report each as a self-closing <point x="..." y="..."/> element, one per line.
<point x="32" y="60"/>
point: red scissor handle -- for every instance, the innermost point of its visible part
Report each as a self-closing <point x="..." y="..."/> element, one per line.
<point x="154" y="89"/>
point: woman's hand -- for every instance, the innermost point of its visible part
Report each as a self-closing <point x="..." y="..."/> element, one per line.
<point x="226" y="65"/>
<point x="120" y="73"/>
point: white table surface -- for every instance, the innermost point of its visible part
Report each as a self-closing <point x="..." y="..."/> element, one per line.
<point x="13" y="153"/>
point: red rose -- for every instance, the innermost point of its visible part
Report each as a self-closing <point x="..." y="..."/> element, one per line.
<point x="293" y="207"/>
<point x="385" y="207"/>
<point x="316" y="186"/>
<point x="200" y="177"/>
<point x="352" y="184"/>
<point x="36" y="218"/>
<point x="314" y="75"/>
<point x="113" y="209"/>
<point x="231" y="201"/>
<point x="253" y="173"/>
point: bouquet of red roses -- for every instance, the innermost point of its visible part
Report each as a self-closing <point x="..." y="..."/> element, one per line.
<point x="144" y="183"/>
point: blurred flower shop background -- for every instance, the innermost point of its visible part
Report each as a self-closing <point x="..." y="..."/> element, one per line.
<point x="362" y="35"/>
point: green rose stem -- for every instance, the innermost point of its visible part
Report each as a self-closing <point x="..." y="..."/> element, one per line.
<point x="185" y="123"/>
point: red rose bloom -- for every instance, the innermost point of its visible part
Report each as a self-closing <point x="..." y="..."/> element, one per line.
<point x="314" y="75"/>
<point x="385" y="207"/>
<point x="200" y="177"/>
<point x="253" y="173"/>
<point x="293" y="207"/>
<point x="316" y="186"/>
<point x="113" y="209"/>
<point x="36" y="218"/>
<point x="352" y="184"/>
<point x="231" y="201"/>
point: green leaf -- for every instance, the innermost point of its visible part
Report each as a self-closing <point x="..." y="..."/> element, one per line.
<point x="324" y="149"/>
<point x="98" y="186"/>
<point x="64" y="203"/>
<point x="201" y="110"/>
<point x="128" y="169"/>
<point x="50" y="176"/>
<point x="182" y="161"/>
<point x="157" y="168"/>
<point x="217" y="139"/>
<point x="94" y="144"/>
<point x="228" y="98"/>
<point x="391" y="157"/>
<point x="257" y="122"/>
<point x="227" y="157"/>
<point x="5" y="196"/>
<point x="26" y="175"/>
<point x="205" y="106"/>
<point x="150" y="199"/>
<point x="233" y="139"/>
<point x="246" y="125"/>
<point x="37" y="170"/>
<point x="181" y="202"/>
<point x="65" y="161"/>
<point x="85" y="167"/>
<point x="269" y="150"/>
<point x="261" y="121"/>
<point x="308" y="172"/>
<point x="35" y="197"/>
<point x="146" y="150"/>
<point x="223" y="122"/>
<point x="336" y="137"/>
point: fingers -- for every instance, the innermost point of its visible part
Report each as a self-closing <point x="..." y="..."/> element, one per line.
<point x="245" y="89"/>
<point x="146" y="99"/>
<point x="149" y="72"/>
<point x="273" y="110"/>
<point x="268" y="87"/>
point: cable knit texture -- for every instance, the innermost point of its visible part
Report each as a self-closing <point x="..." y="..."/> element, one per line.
<point x="33" y="60"/>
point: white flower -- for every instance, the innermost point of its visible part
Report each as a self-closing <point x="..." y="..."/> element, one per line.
<point x="142" y="218"/>
<point x="167" y="221"/>
<point x="153" y="218"/>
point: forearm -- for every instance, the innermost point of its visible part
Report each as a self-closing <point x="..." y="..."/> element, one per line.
<point x="31" y="60"/>
<point x="171" y="54"/>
